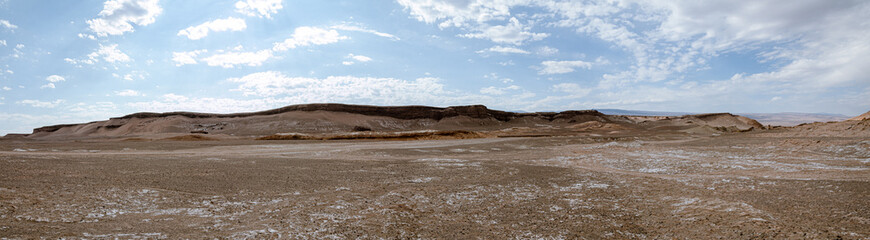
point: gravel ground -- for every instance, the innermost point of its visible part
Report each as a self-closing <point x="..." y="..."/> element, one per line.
<point x="731" y="187"/>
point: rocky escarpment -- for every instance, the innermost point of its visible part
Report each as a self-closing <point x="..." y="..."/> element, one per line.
<point x="318" y="119"/>
<point x="315" y="118"/>
<point x="398" y="112"/>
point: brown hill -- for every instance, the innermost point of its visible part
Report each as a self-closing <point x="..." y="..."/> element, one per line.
<point x="312" y="118"/>
<point x="861" y="117"/>
<point x="723" y="122"/>
<point x="340" y="119"/>
<point x="858" y="126"/>
<point x="793" y="119"/>
<point x="853" y="128"/>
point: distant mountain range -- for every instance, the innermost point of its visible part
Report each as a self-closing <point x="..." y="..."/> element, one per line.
<point x="776" y="119"/>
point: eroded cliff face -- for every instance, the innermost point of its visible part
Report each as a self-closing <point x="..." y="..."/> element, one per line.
<point x="398" y="112"/>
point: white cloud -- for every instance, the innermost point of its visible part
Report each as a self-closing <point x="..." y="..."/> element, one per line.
<point x="355" y="58"/>
<point x="276" y="90"/>
<point x="76" y="62"/>
<point x="87" y="36"/>
<point x="717" y="26"/>
<point x="360" y="58"/>
<point x="231" y="59"/>
<point x="128" y="93"/>
<point x="3" y="42"/>
<point x="495" y="76"/>
<point x="808" y="36"/>
<point x="182" y="58"/>
<point x="560" y="67"/>
<point x="492" y="90"/>
<point x="814" y="49"/>
<point x="41" y="104"/>
<point x="301" y="37"/>
<point x="6" y="88"/>
<point x="6" y="24"/>
<point x="512" y="33"/>
<point x="17" y="51"/>
<point x="502" y="49"/>
<point x="570" y="88"/>
<point x="458" y="14"/>
<point x="266" y="90"/>
<point x="109" y="53"/>
<point x="219" y="25"/>
<point x="546" y="51"/>
<point x="306" y="36"/>
<point x="357" y="28"/>
<point x="342" y="89"/>
<point x="55" y="78"/>
<point x="52" y="80"/>
<point x="131" y="76"/>
<point x="118" y="16"/>
<point x="477" y="17"/>
<point x="259" y="8"/>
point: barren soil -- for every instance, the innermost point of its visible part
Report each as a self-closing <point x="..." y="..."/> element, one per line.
<point x="732" y="186"/>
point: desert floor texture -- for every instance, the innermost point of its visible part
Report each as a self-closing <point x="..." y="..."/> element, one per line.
<point x="731" y="186"/>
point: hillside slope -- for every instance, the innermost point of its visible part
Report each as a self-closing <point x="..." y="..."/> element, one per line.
<point x="341" y="119"/>
<point x="864" y="116"/>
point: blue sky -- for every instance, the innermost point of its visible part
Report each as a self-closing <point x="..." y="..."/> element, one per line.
<point x="79" y="61"/>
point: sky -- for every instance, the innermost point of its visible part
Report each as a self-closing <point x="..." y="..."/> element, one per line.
<point x="80" y="61"/>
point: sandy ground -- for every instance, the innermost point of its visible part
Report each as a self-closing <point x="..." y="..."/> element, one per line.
<point x="730" y="186"/>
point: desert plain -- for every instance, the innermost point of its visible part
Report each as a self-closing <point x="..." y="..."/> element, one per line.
<point x="580" y="175"/>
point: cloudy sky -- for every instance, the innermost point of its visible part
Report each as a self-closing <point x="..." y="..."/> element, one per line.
<point x="78" y="61"/>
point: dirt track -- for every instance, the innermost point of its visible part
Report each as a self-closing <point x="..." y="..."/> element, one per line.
<point x="733" y="187"/>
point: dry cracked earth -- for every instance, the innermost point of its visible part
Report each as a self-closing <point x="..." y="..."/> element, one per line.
<point x="730" y="187"/>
